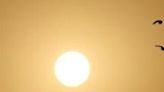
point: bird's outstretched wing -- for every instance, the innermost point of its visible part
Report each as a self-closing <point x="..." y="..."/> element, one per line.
<point x="158" y="46"/>
<point x="158" y="21"/>
<point x="161" y="47"/>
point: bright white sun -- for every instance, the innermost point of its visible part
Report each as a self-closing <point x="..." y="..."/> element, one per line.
<point x="72" y="69"/>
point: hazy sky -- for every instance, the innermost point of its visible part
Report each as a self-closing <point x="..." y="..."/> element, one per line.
<point x="117" y="36"/>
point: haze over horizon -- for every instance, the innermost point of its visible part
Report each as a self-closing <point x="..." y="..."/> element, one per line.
<point x="117" y="36"/>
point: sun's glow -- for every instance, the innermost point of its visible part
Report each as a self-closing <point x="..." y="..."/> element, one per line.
<point x="72" y="69"/>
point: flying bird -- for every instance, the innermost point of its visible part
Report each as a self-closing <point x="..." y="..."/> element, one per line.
<point x="158" y="21"/>
<point x="162" y="48"/>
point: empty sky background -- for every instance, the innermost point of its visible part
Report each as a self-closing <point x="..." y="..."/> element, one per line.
<point x="117" y="36"/>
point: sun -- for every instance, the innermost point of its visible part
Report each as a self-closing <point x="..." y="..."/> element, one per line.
<point x="72" y="68"/>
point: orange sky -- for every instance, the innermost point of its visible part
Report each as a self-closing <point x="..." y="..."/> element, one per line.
<point x="116" y="35"/>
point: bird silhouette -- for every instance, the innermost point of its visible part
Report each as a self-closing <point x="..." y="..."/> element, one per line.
<point x="158" y="21"/>
<point x="162" y="48"/>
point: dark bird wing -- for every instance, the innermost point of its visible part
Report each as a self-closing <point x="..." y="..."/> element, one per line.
<point x="158" y="21"/>
<point x="158" y="46"/>
<point x="162" y="48"/>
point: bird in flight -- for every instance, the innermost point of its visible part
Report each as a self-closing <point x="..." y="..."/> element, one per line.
<point x="157" y="21"/>
<point x="161" y="47"/>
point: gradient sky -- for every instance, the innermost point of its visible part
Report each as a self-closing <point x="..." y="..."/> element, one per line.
<point x="117" y="36"/>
